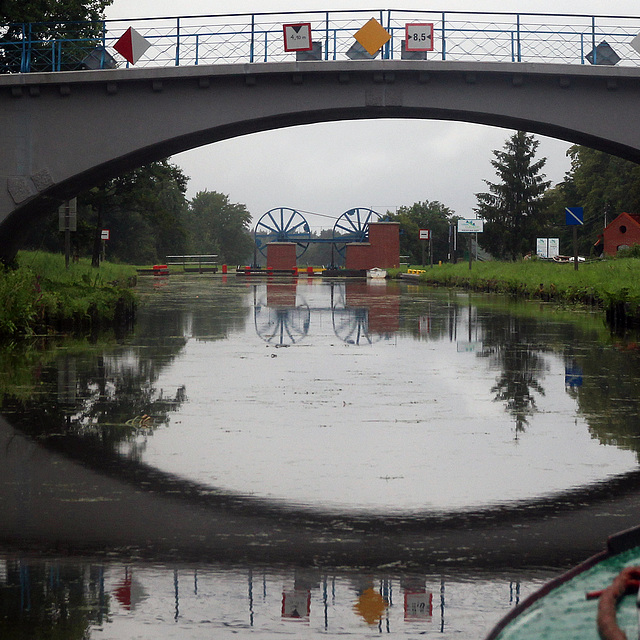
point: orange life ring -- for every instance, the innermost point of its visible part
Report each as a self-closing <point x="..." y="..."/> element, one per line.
<point x="624" y="582"/>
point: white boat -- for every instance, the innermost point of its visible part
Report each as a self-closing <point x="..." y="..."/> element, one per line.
<point x="376" y="273"/>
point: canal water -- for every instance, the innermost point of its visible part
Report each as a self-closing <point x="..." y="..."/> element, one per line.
<point x="309" y="458"/>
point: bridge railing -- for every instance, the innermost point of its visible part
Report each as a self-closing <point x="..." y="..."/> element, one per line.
<point x="258" y="37"/>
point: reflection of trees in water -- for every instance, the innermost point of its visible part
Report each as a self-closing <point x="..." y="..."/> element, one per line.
<point x="511" y="344"/>
<point x="107" y="394"/>
<point x="104" y="400"/>
<point x="609" y="393"/>
<point x="198" y="310"/>
<point x="50" y="600"/>
<point x="521" y="367"/>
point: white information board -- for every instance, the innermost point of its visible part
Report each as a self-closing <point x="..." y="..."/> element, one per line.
<point x="547" y="247"/>
<point x="419" y="36"/>
<point x="297" y="37"/>
<point x="424" y="234"/>
<point x="470" y="226"/>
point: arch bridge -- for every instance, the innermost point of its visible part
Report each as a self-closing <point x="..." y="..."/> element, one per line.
<point x="63" y="132"/>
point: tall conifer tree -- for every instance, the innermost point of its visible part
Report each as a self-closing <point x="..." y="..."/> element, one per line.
<point x="514" y="208"/>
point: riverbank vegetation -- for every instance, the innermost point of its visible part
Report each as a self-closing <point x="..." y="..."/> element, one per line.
<point x="150" y="218"/>
<point x="41" y="295"/>
<point x="611" y="285"/>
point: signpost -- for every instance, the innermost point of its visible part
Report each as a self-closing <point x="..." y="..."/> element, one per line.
<point x="67" y="222"/>
<point x="105" y="234"/>
<point x="471" y="226"/>
<point x="425" y="235"/>
<point x="574" y="217"/>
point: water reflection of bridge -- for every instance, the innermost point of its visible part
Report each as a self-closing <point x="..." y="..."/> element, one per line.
<point x="35" y="592"/>
<point x="70" y="497"/>
<point x="360" y="312"/>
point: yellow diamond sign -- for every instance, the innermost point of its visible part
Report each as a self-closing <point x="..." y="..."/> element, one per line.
<point x="372" y="36"/>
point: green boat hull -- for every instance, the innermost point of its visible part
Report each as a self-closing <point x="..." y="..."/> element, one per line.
<point x="561" y="610"/>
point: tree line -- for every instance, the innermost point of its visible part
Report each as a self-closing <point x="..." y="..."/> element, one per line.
<point x="149" y="218"/>
<point x="522" y="205"/>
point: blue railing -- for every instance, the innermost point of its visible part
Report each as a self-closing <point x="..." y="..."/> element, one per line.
<point x="258" y="37"/>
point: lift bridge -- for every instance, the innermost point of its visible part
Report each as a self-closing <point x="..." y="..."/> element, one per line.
<point x="288" y="225"/>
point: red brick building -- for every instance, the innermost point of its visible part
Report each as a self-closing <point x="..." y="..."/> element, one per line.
<point x="382" y="250"/>
<point x="624" y="231"/>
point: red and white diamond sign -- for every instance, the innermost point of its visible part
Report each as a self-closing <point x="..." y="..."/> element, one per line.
<point x="131" y="45"/>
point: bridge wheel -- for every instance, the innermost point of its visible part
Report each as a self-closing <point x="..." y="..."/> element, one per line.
<point x="282" y="225"/>
<point x="352" y="226"/>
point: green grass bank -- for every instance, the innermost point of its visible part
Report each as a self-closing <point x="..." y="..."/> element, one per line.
<point x="610" y="285"/>
<point x="42" y="296"/>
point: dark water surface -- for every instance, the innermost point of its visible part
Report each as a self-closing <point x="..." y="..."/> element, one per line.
<point x="311" y="458"/>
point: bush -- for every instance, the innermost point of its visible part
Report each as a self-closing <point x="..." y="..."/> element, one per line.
<point x="629" y="252"/>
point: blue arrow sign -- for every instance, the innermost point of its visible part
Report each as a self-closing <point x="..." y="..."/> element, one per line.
<point x="574" y="215"/>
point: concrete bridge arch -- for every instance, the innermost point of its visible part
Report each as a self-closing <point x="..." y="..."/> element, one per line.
<point x="64" y="132"/>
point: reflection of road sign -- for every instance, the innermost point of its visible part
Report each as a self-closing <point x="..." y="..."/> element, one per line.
<point x="419" y="36"/>
<point x="372" y="36"/>
<point x="573" y="376"/>
<point x="468" y="347"/>
<point x="574" y="216"/>
<point x="297" y="37"/>
<point x="470" y="226"/>
<point x="296" y="605"/>
<point x="418" y="605"/>
<point x="424" y="234"/>
<point x="370" y="605"/>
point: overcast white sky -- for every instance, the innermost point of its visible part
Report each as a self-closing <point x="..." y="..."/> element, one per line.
<point x="381" y="164"/>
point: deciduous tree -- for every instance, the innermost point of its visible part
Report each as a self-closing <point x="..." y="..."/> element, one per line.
<point x="603" y="185"/>
<point x="218" y="226"/>
<point x="431" y="215"/>
<point x="69" y="21"/>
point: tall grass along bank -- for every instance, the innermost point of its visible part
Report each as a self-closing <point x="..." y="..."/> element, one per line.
<point x="41" y="295"/>
<point x="611" y="285"/>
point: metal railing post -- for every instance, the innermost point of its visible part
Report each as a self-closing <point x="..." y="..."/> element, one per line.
<point x="443" y="37"/>
<point x="385" y="50"/>
<point x="593" y="41"/>
<point x="103" y="56"/>
<point x="326" y="35"/>
<point x="197" y="48"/>
<point x="518" y="46"/>
<point x="177" y="42"/>
<point x="252" y="42"/>
<point x="26" y="49"/>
